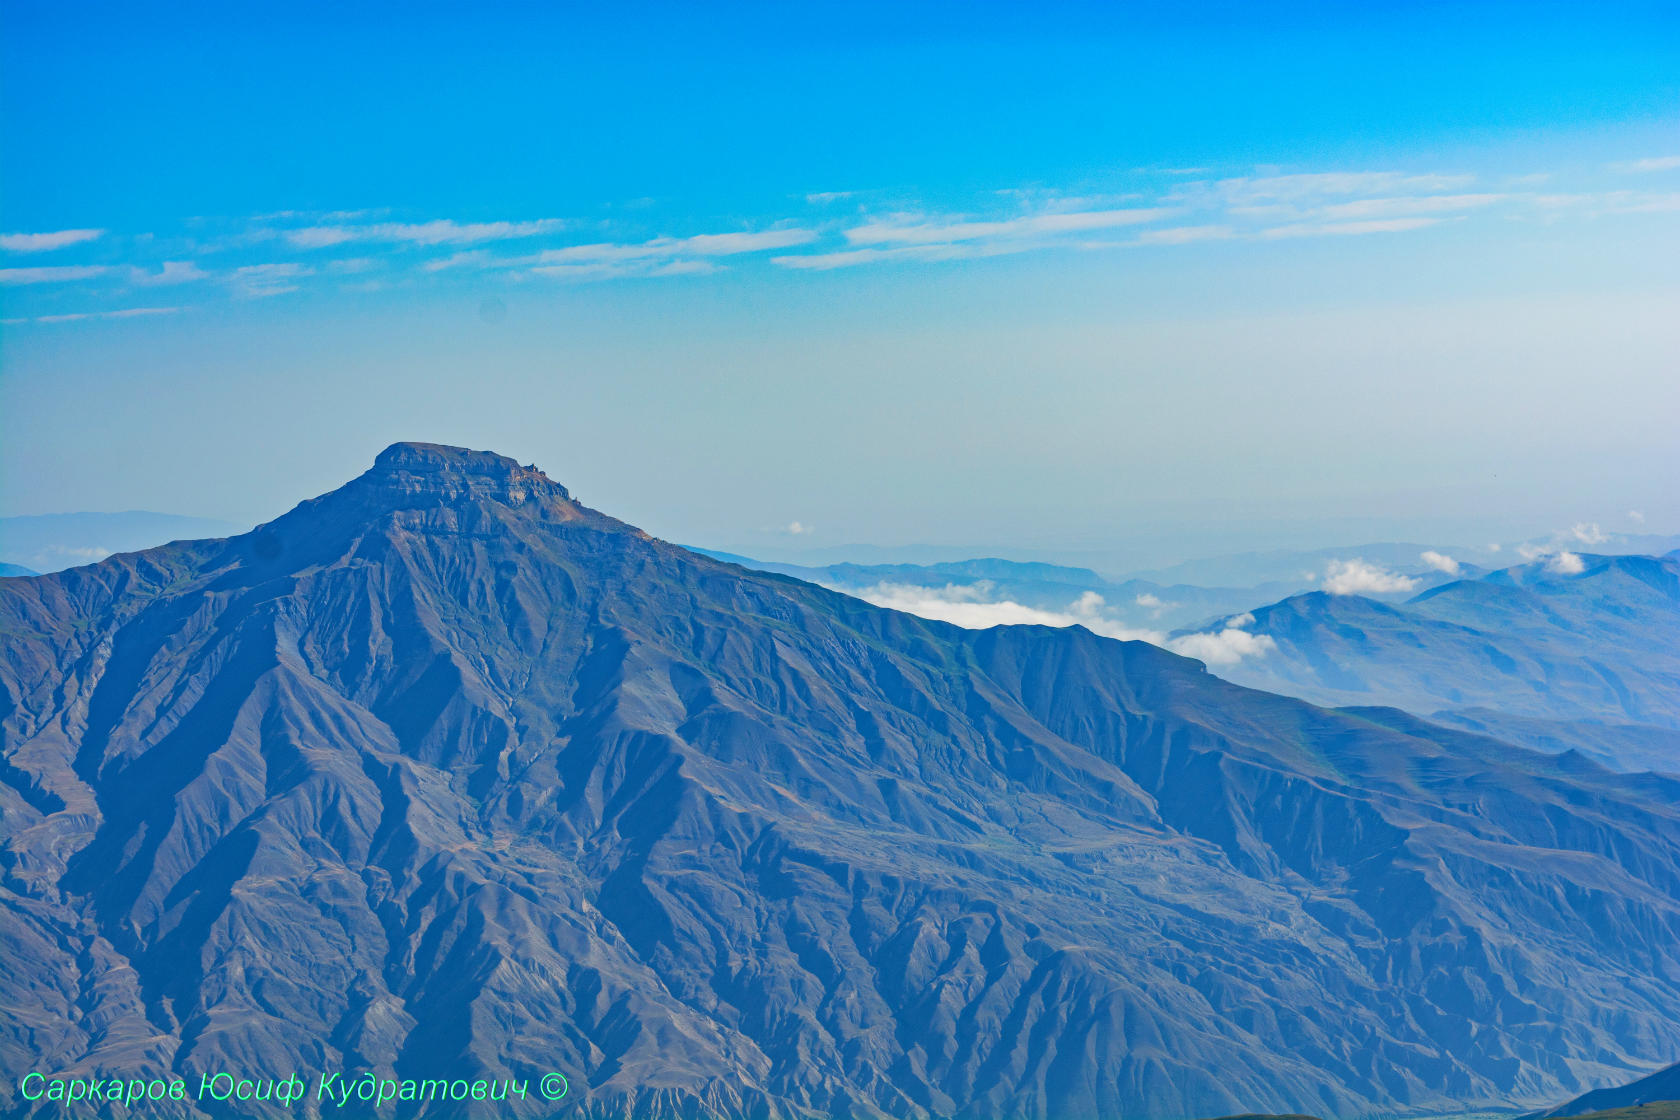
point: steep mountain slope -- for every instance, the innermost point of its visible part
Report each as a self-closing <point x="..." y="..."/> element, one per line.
<point x="1586" y="660"/>
<point x="444" y="773"/>
<point x="1664" y="1085"/>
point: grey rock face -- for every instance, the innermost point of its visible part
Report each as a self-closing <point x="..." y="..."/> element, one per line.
<point x="444" y="773"/>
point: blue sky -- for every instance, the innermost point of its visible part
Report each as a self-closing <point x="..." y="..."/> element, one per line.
<point x="1049" y="277"/>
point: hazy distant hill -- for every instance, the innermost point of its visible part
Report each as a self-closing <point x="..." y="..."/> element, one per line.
<point x="52" y="542"/>
<point x="16" y="570"/>
<point x="1552" y="658"/>
<point x="445" y="774"/>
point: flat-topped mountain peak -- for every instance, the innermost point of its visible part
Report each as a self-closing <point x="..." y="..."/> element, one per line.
<point x="440" y="467"/>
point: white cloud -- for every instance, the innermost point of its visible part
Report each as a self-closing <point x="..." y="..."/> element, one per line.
<point x="262" y="280"/>
<point x="1223" y="647"/>
<point x="439" y="232"/>
<point x="1315" y="187"/>
<point x="1636" y="516"/>
<point x="848" y="257"/>
<point x="1588" y="532"/>
<point x="171" y="272"/>
<point x="469" y="258"/>
<point x="42" y="242"/>
<point x="1184" y="235"/>
<point x="1347" y="229"/>
<point x="823" y="198"/>
<point x="1407" y="206"/>
<point x="56" y="274"/>
<point x="661" y="256"/>
<point x="1356" y="577"/>
<point x="971" y="607"/>
<point x="919" y="237"/>
<point x="1440" y="561"/>
<point x="1566" y="564"/>
<point x="800" y="529"/>
<point x="120" y="313"/>
<point x="1655" y="163"/>
<point x="1153" y="602"/>
<point x="905" y="230"/>
<point x="668" y="248"/>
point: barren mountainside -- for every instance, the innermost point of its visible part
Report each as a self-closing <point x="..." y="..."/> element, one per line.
<point x="443" y="771"/>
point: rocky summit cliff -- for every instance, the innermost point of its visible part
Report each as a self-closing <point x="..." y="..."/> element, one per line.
<point x="443" y="773"/>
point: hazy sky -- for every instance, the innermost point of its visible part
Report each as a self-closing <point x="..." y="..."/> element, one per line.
<point x="774" y="277"/>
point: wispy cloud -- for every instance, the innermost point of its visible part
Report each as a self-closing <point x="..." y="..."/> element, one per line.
<point x="660" y="256"/>
<point x="170" y="272"/>
<point x="1184" y="235"/>
<point x="1408" y="206"/>
<point x="1346" y="229"/>
<point x="1315" y="187"/>
<point x="78" y="316"/>
<point x="433" y="233"/>
<point x="1149" y="209"/>
<point x="259" y="281"/>
<point x="921" y="237"/>
<point x="846" y="258"/>
<point x="1643" y="166"/>
<point x="42" y="242"/>
<point x="54" y="274"/>
<point x="901" y="230"/>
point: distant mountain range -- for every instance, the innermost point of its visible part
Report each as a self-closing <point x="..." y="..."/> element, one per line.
<point x="444" y="774"/>
<point x="1138" y="604"/>
<point x="1582" y="656"/>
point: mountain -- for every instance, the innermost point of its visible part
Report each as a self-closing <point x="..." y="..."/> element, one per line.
<point x="54" y="541"/>
<point x="16" y="570"/>
<point x="1664" y="1085"/>
<point x="1542" y="654"/>
<point x="443" y="774"/>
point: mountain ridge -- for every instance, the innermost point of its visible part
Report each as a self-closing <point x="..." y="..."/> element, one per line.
<point x="1566" y="658"/>
<point x="308" y="796"/>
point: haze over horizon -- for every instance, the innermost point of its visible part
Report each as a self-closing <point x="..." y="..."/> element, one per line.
<point x="1170" y="279"/>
